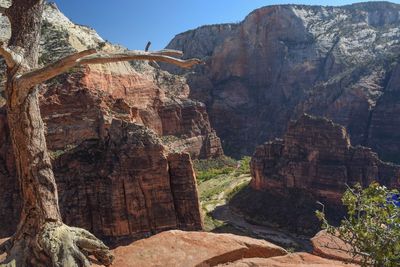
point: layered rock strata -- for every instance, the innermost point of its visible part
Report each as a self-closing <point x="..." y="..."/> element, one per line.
<point x="316" y="155"/>
<point x="314" y="163"/>
<point x="121" y="137"/>
<point x="285" y="60"/>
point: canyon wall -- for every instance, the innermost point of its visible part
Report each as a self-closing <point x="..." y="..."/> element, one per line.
<point x="316" y="155"/>
<point x="121" y="137"/>
<point x="313" y="163"/>
<point x="283" y="61"/>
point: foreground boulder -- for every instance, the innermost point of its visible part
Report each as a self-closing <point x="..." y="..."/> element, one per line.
<point x="290" y="260"/>
<point x="185" y="249"/>
<point x="201" y="249"/>
<point x="331" y="247"/>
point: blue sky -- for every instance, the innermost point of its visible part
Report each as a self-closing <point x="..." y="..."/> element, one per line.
<point x="132" y="23"/>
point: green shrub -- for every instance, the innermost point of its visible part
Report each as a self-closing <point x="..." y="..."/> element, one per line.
<point x="372" y="227"/>
<point x="244" y="165"/>
<point x="212" y="173"/>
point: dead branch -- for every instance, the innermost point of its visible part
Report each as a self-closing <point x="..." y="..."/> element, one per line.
<point x="8" y="55"/>
<point x="87" y="57"/>
<point x="147" y="46"/>
<point x="171" y="52"/>
<point x="38" y="76"/>
<point x="161" y="56"/>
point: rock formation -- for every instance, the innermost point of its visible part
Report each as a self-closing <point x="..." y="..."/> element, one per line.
<point x="314" y="161"/>
<point x="316" y="155"/>
<point x="187" y="249"/>
<point x="283" y="61"/>
<point x="331" y="247"/>
<point x="120" y="136"/>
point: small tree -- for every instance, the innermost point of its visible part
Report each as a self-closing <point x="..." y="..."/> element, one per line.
<point x="41" y="238"/>
<point x="372" y="227"/>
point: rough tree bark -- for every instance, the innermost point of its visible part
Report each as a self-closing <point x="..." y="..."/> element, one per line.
<point x="41" y="238"/>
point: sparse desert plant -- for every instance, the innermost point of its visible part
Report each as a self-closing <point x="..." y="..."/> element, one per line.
<point x="372" y="226"/>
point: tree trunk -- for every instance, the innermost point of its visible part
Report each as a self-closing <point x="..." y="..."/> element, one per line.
<point x="41" y="238"/>
<point x="37" y="183"/>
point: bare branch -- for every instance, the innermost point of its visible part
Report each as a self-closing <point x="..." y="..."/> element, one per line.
<point x="101" y="58"/>
<point x="87" y="57"/>
<point x="171" y="52"/>
<point x="147" y="46"/>
<point x="38" y="76"/>
<point x="8" y="55"/>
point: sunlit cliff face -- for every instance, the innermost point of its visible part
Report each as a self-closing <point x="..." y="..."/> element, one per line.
<point x="282" y="61"/>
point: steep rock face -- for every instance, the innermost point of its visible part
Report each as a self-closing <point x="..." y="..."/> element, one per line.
<point x="312" y="163"/>
<point x="282" y="61"/>
<point x="127" y="185"/>
<point x="316" y="156"/>
<point x="136" y="91"/>
<point x="121" y="187"/>
<point x="116" y="177"/>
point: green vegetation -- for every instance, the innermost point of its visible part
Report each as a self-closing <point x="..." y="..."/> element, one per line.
<point x="372" y="228"/>
<point x="244" y="166"/>
<point x="219" y="180"/>
<point x="57" y="153"/>
<point x="211" y="168"/>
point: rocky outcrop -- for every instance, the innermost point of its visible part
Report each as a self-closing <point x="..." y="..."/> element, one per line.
<point x="316" y="155"/>
<point x="122" y="187"/>
<point x="129" y="184"/>
<point x="315" y="161"/>
<point x="331" y="247"/>
<point x="283" y="61"/>
<point x="189" y="249"/>
<point x="121" y="137"/>
<point x="290" y="260"/>
<point x="76" y="104"/>
<point x="177" y="248"/>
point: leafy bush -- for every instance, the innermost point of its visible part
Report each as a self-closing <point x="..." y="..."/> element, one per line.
<point x="372" y="227"/>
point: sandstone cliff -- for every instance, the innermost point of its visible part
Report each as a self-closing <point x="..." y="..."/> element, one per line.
<point x="314" y="161"/>
<point x="120" y="136"/>
<point x="316" y="155"/>
<point x="187" y="249"/>
<point x="282" y="61"/>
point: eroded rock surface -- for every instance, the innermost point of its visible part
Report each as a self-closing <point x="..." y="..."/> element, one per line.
<point x="284" y="60"/>
<point x="120" y="136"/>
<point x="200" y="249"/>
<point x="329" y="246"/>
<point x="316" y="155"/>
<point x="314" y="162"/>
<point x="177" y="248"/>
<point x="294" y="259"/>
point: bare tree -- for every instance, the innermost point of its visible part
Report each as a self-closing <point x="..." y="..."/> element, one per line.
<point x="41" y="238"/>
